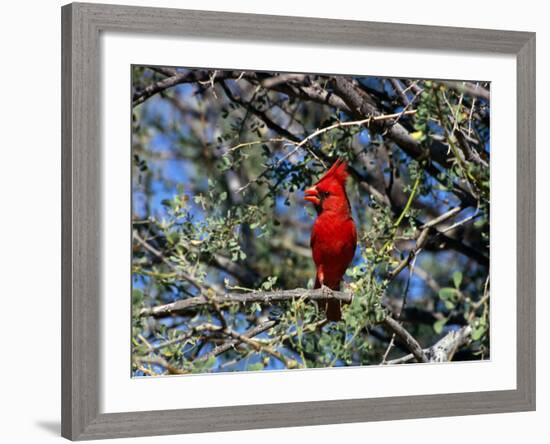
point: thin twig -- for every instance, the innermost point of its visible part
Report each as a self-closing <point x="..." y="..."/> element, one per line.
<point x="469" y="88"/>
<point x="462" y="222"/>
<point x="246" y="337"/>
<point x="401" y="309"/>
<point x="257" y="142"/>
<point x="326" y="129"/>
<point x="188" y="335"/>
<point x="422" y="239"/>
<point x="158" y="254"/>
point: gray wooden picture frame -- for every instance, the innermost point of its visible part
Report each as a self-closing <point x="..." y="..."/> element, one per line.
<point x="81" y="230"/>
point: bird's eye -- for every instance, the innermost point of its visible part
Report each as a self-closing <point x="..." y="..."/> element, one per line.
<point x="325" y="194"/>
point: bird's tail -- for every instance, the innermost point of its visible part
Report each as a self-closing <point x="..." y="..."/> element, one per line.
<point x="333" y="310"/>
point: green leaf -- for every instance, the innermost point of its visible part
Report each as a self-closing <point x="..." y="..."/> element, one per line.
<point x="225" y="163"/>
<point x="478" y="332"/>
<point x="447" y="293"/>
<point x="379" y="316"/>
<point x="172" y="237"/>
<point x="137" y="296"/>
<point x="449" y="305"/>
<point x="255" y="307"/>
<point x="479" y="223"/>
<point x="439" y="324"/>
<point x="210" y="362"/>
<point x="457" y="279"/>
<point x="255" y="367"/>
<point x="269" y="283"/>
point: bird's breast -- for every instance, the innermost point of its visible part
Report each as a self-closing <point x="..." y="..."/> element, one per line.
<point x="333" y="239"/>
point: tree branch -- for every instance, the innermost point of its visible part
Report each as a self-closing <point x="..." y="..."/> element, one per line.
<point x="375" y="118"/>
<point x="444" y="349"/>
<point x="268" y="297"/>
<point x="262" y="297"/>
<point x="317" y="133"/>
<point x="471" y="89"/>
<point x="422" y="239"/>
<point x="173" y="267"/>
<point x="362" y="105"/>
<point x="407" y="339"/>
<point x="160" y="361"/>
<point x="250" y="333"/>
<point x="177" y="78"/>
<point x="258" y="346"/>
<point x="315" y="93"/>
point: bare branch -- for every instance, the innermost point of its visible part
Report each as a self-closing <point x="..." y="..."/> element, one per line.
<point x="361" y="104"/>
<point x="401" y="309"/>
<point x="400" y="91"/>
<point x="444" y="349"/>
<point x="474" y="90"/>
<point x="411" y="343"/>
<point x="178" y="78"/>
<point x="422" y="240"/>
<point x="317" y="133"/>
<point x="262" y="297"/>
<point x="161" y="85"/>
<point x="250" y="333"/>
<point x="157" y="360"/>
<point x="442" y="218"/>
<point x="271" y="82"/>
<point x="315" y="93"/>
<point x="186" y="336"/>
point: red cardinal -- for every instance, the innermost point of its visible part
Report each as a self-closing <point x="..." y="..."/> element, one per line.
<point x="333" y="238"/>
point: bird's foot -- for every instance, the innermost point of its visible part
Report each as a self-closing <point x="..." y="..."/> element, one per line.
<point x="326" y="290"/>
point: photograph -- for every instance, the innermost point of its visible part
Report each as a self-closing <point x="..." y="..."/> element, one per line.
<point x="270" y="222"/>
<point x="286" y="220"/>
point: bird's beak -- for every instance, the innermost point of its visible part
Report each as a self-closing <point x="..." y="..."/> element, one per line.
<point x="312" y="195"/>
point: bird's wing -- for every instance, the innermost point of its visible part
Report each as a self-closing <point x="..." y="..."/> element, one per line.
<point x="313" y="237"/>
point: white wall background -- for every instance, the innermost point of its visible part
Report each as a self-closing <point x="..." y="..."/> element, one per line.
<point x="30" y="221"/>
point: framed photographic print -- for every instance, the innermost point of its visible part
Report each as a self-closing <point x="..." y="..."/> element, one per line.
<point x="263" y="215"/>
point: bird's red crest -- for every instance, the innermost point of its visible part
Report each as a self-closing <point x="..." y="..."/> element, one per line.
<point x="337" y="172"/>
